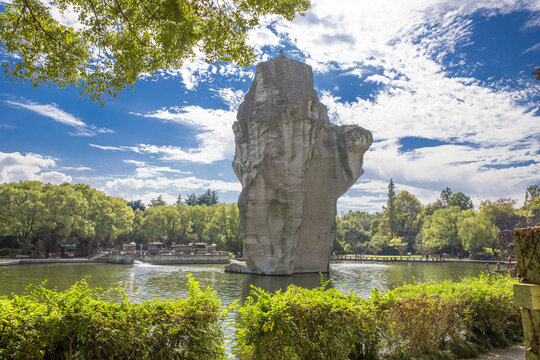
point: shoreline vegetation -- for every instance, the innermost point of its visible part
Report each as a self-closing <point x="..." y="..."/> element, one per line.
<point x="445" y="320"/>
<point x="44" y="220"/>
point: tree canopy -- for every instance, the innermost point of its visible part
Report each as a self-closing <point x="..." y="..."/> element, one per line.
<point x="39" y="216"/>
<point x="461" y="200"/>
<point x="106" y="45"/>
<point x="532" y="197"/>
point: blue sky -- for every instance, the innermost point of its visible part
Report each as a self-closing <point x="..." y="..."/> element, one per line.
<point x="444" y="86"/>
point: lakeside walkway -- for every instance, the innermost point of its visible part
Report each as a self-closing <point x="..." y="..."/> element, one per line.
<point x="29" y="261"/>
<point x="394" y="258"/>
<point x="516" y="352"/>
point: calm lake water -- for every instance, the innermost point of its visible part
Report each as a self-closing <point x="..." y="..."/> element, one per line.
<point x="144" y="282"/>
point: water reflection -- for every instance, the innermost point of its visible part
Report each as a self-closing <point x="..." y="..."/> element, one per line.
<point x="145" y="282"/>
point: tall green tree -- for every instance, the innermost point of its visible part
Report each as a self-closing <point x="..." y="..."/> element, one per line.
<point x="179" y="200"/>
<point x="352" y="229"/>
<point x="136" y="205"/>
<point x="159" y="201"/>
<point x="390" y="208"/>
<point x="136" y="233"/>
<point x="461" y="200"/>
<point x="103" y="219"/>
<point x="208" y="198"/>
<point x="114" y="42"/>
<point x="476" y="232"/>
<point x="198" y="215"/>
<point x="22" y="211"/>
<point x="233" y="238"/>
<point x="440" y="230"/>
<point x="165" y="223"/>
<point x="191" y="200"/>
<point x="407" y="208"/>
<point x="444" y="198"/>
<point x="531" y="194"/>
<point x="64" y="206"/>
<point x="111" y="216"/>
<point x="500" y="212"/>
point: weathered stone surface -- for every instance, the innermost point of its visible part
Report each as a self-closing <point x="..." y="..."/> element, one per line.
<point x="293" y="165"/>
<point x="527" y="294"/>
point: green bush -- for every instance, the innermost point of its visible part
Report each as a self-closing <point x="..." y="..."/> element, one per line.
<point x="4" y="251"/>
<point x="487" y="314"/>
<point x="79" y="324"/>
<point x="421" y="325"/>
<point x="442" y="320"/>
<point x="483" y="255"/>
<point x="307" y="324"/>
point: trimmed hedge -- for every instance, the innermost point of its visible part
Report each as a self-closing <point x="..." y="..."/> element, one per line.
<point x="443" y="320"/>
<point x="79" y="324"/>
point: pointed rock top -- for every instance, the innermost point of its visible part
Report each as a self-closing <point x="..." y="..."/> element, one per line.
<point x="281" y="55"/>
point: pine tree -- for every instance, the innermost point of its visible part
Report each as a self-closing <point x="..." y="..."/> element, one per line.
<point x="391" y="209"/>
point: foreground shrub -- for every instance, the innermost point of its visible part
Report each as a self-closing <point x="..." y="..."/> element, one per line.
<point x="486" y="312"/>
<point x="307" y="324"/>
<point x="421" y="325"/>
<point x="79" y="324"/>
<point x="443" y="320"/>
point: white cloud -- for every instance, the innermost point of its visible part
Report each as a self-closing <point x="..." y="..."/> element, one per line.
<point x="349" y="32"/>
<point x="443" y="108"/>
<point x="54" y="177"/>
<point x="77" y="168"/>
<point x="145" y="170"/>
<point x="213" y="127"/>
<point x="535" y="47"/>
<point x="53" y="112"/>
<point x="18" y="167"/>
<point x="364" y="202"/>
<point x="483" y="173"/>
<point x="196" y="70"/>
<point x="133" y="188"/>
<point x="233" y="98"/>
<point x="402" y="47"/>
<point x="370" y="194"/>
<point x="112" y="148"/>
<point x="215" y="135"/>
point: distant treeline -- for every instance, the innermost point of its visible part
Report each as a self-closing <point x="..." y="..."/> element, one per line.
<point x="449" y="225"/>
<point x="40" y="217"/>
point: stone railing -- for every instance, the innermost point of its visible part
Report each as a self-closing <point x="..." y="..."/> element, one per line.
<point x="527" y="292"/>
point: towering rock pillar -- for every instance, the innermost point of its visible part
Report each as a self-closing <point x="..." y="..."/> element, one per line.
<point x="293" y="165"/>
